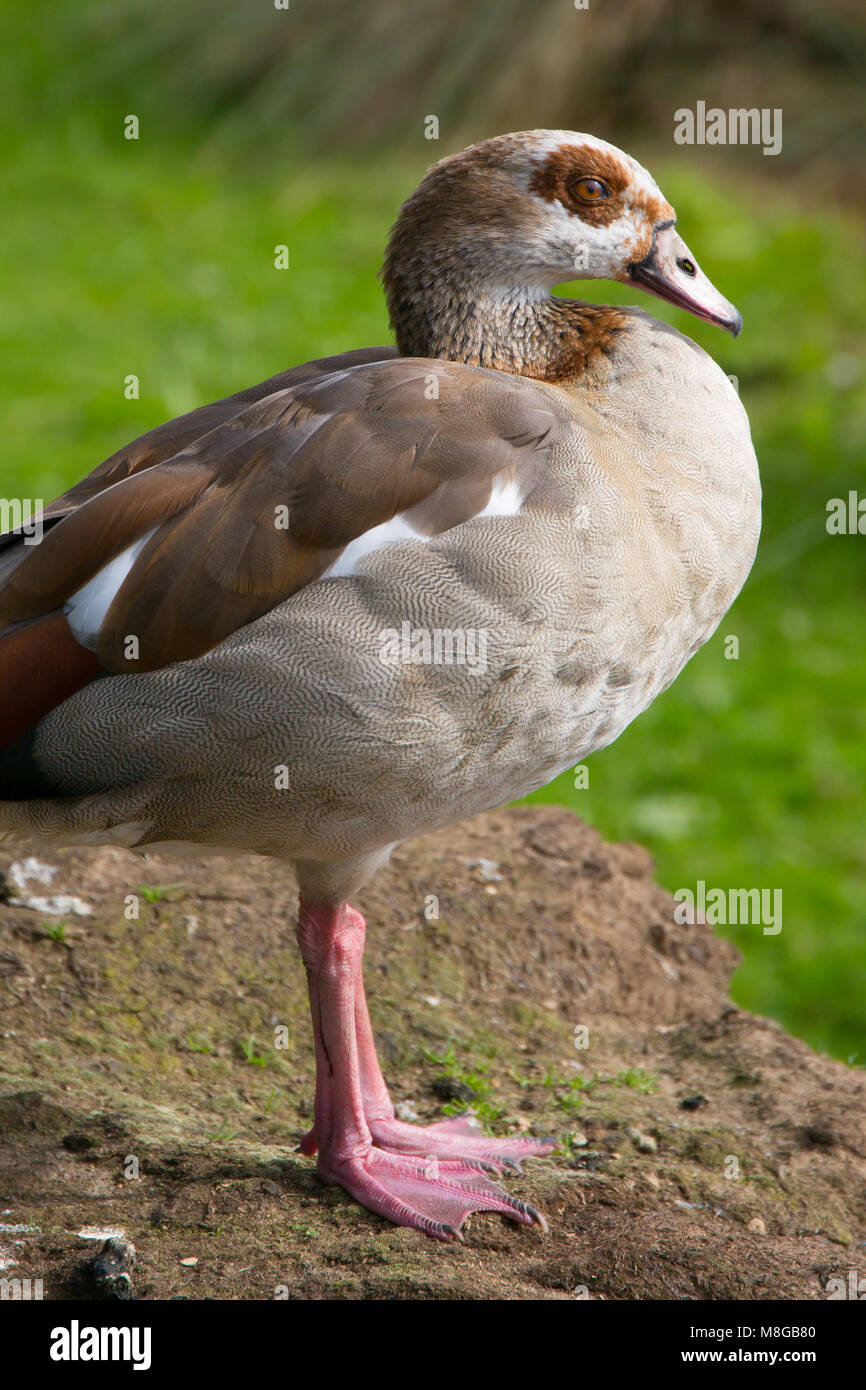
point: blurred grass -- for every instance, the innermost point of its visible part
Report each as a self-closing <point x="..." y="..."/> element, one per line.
<point x="241" y="74"/>
<point x="139" y="257"/>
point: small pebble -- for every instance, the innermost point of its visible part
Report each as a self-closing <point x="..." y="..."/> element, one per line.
<point x="644" y="1143"/>
<point x="111" y="1270"/>
<point x="449" y="1088"/>
<point x="489" y="869"/>
<point x="78" y="1143"/>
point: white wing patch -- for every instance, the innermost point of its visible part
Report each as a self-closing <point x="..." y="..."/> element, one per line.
<point x="87" y="607"/>
<point x="397" y="529"/>
<point x="505" y="500"/>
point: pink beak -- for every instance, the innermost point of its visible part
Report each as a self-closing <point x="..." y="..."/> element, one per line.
<point x="671" y="272"/>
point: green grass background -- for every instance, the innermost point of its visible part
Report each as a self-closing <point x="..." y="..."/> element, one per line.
<point x="150" y="258"/>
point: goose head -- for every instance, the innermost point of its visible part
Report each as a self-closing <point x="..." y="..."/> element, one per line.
<point x="501" y="223"/>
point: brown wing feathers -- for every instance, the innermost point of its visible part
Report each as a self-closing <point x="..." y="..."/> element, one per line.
<point x="259" y="505"/>
<point x="171" y="438"/>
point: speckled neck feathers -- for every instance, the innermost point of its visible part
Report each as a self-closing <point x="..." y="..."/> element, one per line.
<point x="550" y="339"/>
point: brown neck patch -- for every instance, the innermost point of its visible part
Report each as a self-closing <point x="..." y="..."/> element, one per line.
<point x="555" y="340"/>
<point x="588" y="335"/>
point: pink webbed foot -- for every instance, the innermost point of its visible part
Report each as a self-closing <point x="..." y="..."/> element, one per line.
<point x="427" y="1177"/>
<point x="428" y="1194"/>
<point x="460" y="1140"/>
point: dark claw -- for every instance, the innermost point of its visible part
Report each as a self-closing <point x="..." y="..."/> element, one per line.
<point x="485" y="1165"/>
<point x="448" y="1232"/>
<point x="512" y="1164"/>
<point x="534" y="1216"/>
<point x="537" y="1217"/>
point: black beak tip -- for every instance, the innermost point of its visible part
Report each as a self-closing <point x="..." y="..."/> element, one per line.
<point x="735" y="327"/>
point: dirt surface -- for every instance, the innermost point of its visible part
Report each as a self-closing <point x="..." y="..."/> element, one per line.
<point x="156" y="1074"/>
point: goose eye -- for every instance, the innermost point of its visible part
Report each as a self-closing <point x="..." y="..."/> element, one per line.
<point x="591" y="190"/>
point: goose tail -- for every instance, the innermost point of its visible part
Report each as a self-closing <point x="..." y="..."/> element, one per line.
<point x="121" y="817"/>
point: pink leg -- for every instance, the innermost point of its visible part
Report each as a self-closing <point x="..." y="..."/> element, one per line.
<point x="378" y="1105"/>
<point x="413" y="1186"/>
<point x="457" y="1138"/>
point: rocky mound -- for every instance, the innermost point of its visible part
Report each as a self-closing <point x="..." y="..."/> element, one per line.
<point x="156" y="1074"/>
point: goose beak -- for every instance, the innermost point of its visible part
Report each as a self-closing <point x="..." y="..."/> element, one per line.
<point x="671" y="272"/>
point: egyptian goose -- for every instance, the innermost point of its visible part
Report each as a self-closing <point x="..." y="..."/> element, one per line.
<point x="386" y="590"/>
